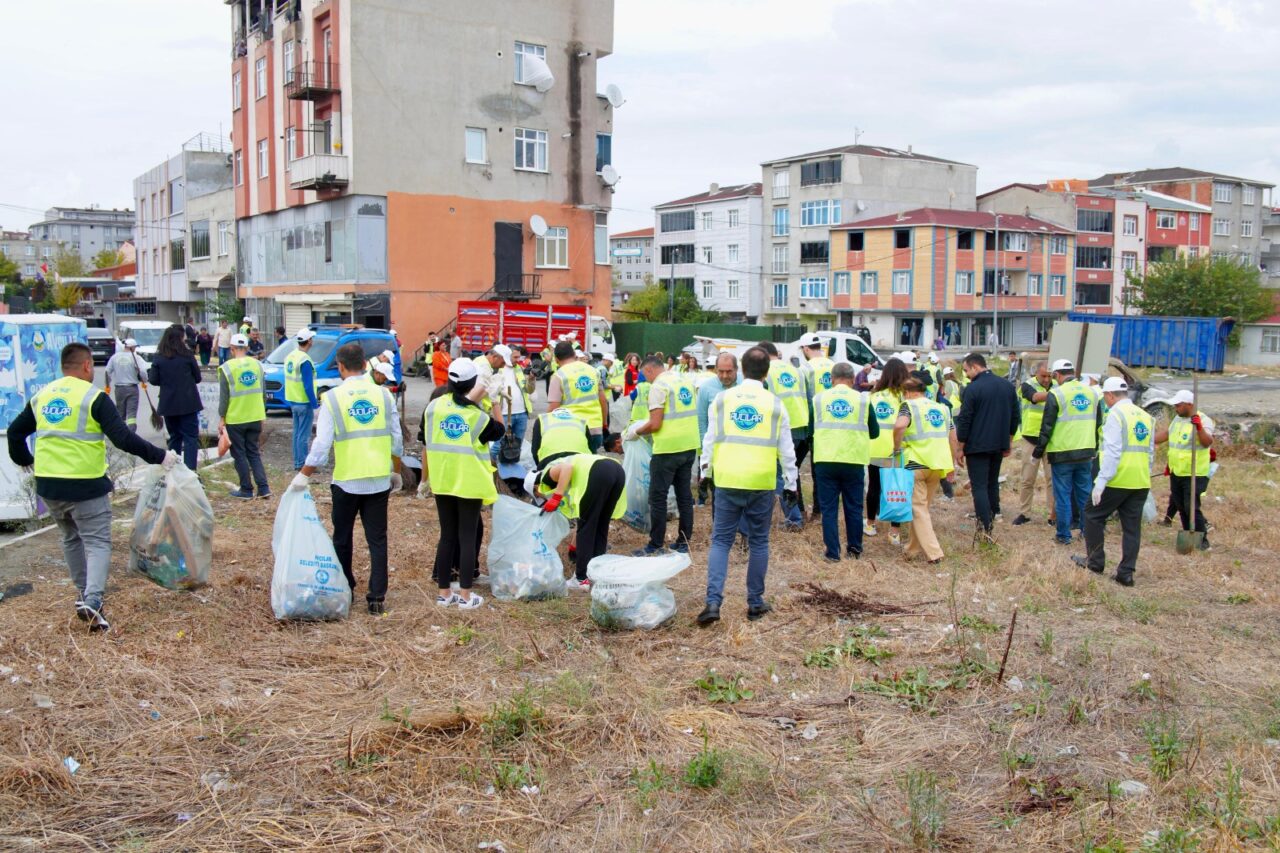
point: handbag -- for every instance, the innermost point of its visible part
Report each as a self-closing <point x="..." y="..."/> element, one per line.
<point x="896" y="487"/>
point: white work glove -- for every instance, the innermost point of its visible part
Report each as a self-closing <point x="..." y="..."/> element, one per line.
<point x="704" y="470"/>
<point x="424" y="489"/>
<point x="299" y="482"/>
<point x="633" y="432"/>
<point x="397" y="482"/>
<point x="1097" y="494"/>
<point x="170" y="459"/>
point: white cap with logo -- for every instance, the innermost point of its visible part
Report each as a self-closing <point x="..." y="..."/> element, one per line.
<point x="1181" y="397"/>
<point x="504" y="351"/>
<point x="1115" y="385"/>
<point x="239" y="341"/>
<point x="462" y="369"/>
<point x="1063" y="365"/>
<point x="304" y="334"/>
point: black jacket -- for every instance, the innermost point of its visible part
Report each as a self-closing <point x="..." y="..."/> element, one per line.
<point x="1046" y="431"/>
<point x="989" y="415"/>
<point x="177" y="379"/>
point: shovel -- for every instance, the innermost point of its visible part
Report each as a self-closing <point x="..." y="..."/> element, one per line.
<point x="1189" y="540"/>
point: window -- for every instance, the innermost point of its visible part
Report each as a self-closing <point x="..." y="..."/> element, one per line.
<point x="477" y="150"/>
<point x="224" y="238"/>
<point x="553" y="249"/>
<point x="1246" y="227"/>
<point x="1093" y="257"/>
<point x="1035" y="285"/>
<point x="1165" y="219"/>
<point x="523" y="50"/>
<point x="902" y="238"/>
<point x="1057" y="245"/>
<point x="815" y="213"/>
<point x="1221" y="227"/>
<point x="200" y="239"/>
<point x="1248" y="195"/>
<point x="708" y="289"/>
<point x="842" y="283"/>
<point x="264" y="164"/>
<point x="707" y="220"/>
<point x="1057" y="285"/>
<point x="964" y="284"/>
<point x="237" y="83"/>
<point x="1271" y="340"/>
<point x="813" y="287"/>
<point x="1222" y="256"/>
<point x="531" y="150"/>
<point x="290" y="146"/>
<point x="260" y="78"/>
<point x="46" y="252"/>
<point x="857" y="241"/>
<point x="604" y="151"/>
<point x="602" y="238"/>
<point x="679" y="221"/>
<point x="822" y="172"/>
<point x="735" y="216"/>
<point x="964" y="240"/>
<point x="1193" y="252"/>
<point x="328" y="225"/>
<point x="1193" y="221"/>
<point x="735" y="289"/>
<point x="680" y="253"/>
<point x="164" y="207"/>
<point x="29" y="270"/>
<point x="815" y="253"/>
<point x="781" y="221"/>
<point x="239" y="168"/>
<point x="706" y="254"/>
<point x="780" y="258"/>
<point x="1096" y="221"/>
<point x="902" y="283"/>
<point x="177" y="254"/>
<point x="733" y="252"/>
<point x="287" y="57"/>
<point x="1129" y="261"/>
<point x="1013" y="241"/>
<point x="1222" y="192"/>
<point x="1130" y="226"/>
<point x="779" y="294"/>
<point x="782" y="183"/>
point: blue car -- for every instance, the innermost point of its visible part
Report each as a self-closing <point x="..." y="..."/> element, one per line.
<point x="323" y="347"/>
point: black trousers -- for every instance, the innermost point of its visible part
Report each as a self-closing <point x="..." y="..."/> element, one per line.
<point x="873" y="493"/>
<point x="459" y="545"/>
<point x="665" y="471"/>
<point x="605" y="484"/>
<point x="802" y="451"/>
<point x="1180" y="494"/>
<point x="984" y="477"/>
<point x="1127" y="505"/>
<point x="372" y="510"/>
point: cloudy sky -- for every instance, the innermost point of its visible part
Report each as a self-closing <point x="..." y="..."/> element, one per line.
<point x="1024" y="90"/>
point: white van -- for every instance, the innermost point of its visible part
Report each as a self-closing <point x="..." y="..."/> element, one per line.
<point x="146" y="332"/>
<point x="839" y="346"/>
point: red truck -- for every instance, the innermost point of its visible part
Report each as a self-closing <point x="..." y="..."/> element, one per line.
<point x="531" y="326"/>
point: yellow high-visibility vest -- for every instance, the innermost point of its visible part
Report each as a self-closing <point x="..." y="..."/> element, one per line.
<point x="745" y="453"/>
<point x="1076" y="427"/>
<point x="679" y="431"/>
<point x="294" y="389"/>
<point x="245" y="404"/>
<point x="927" y="441"/>
<point x="69" y="441"/>
<point x="561" y="431"/>
<point x="1134" y="470"/>
<point x="1182" y="436"/>
<point x="840" y="432"/>
<point x="786" y="383"/>
<point x="884" y="405"/>
<point x="457" y="461"/>
<point x="362" y="430"/>
<point x="580" y="392"/>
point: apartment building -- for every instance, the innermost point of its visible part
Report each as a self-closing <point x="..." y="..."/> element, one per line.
<point x="807" y="195"/>
<point x="1271" y="248"/>
<point x="393" y="157"/>
<point x="85" y="230"/>
<point x="710" y="243"/>
<point x="27" y="251"/>
<point x="1239" y="205"/>
<point x="183" y="204"/>
<point x="957" y="274"/>
<point x="631" y="254"/>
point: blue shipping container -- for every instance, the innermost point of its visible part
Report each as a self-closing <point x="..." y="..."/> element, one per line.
<point x="1183" y="343"/>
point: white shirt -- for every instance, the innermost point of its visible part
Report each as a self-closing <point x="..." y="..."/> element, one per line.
<point x="508" y="383"/>
<point x="1113" y="444"/>
<point x="786" y="450"/>
<point x="122" y="369"/>
<point x="318" y="456"/>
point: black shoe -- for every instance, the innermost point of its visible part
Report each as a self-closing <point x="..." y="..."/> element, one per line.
<point x="1062" y="541"/>
<point x="97" y="618"/>
<point x="1166" y="522"/>
<point x="1084" y="564"/>
<point x="709" y="614"/>
<point x="82" y="612"/>
<point x="1124" y="580"/>
<point x="831" y="559"/>
<point x="1204" y="545"/>
<point x="856" y="553"/>
<point x="377" y="608"/>
<point x="1020" y="520"/>
<point x="264" y="493"/>
<point x="680" y="548"/>
<point x="758" y="612"/>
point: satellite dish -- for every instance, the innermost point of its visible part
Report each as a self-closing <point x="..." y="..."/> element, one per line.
<point x="862" y="205"/>
<point x="538" y="225"/>
<point x="614" y="96"/>
<point x="537" y="73"/>
<point x="609" y="175"/>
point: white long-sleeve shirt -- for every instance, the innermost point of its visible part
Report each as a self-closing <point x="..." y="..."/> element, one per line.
<point x="318" y="456"/>
<point x="1113" y="443"/>
<point x="786" y="449"/>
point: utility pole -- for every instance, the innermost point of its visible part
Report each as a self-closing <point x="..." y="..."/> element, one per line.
<point x="671" y="290"/>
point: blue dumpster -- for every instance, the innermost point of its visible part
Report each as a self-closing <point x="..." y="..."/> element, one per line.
<point x="1182" y="343"/>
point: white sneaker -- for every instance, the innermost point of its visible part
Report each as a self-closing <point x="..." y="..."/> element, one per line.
<point x="895" y="538"/>
<point x="581" y="586"/>
<point x="442" y="601"/>
<point x="471" y="603"/>
<point x="869" y="529"/>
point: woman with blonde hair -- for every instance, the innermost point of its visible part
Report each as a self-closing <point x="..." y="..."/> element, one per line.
<point x="926" y="436"/>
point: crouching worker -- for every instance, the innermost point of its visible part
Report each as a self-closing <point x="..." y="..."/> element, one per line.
<point x="358" y="420"/>
<point x="589" y="488"/>
<point x="70" y="420"/>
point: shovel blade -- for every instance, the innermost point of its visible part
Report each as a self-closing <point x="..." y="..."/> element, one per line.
<point x="1188" y="541"/>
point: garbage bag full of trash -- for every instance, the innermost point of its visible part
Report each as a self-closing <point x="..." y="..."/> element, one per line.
<point x="307" y="581"/>
<point x="172" y="539"/>
<point x="630" y="592"/>
<point x="523" y="562"/>
<point x="636" y="456"/>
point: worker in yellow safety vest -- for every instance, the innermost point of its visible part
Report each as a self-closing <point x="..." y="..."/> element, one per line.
<point x="359" y="422"/>
<point x="748" y="442"/>
<point x="673" y="424"/>
<point x="590" y="489"/>
<point x="926" y="436"/>
<point x="300" y="393"/>
<point x="1190" y="428"/>
<point x="1122" y="484"/>
<point x="242" y="405"/>
<point x="843" y="429"/>
<point x="558" y="433"/>
<point x="576" y="386"/>
<point x="1032" y="395"/>
<point x="788" y="384"/>
<point x="1069" y="437"/>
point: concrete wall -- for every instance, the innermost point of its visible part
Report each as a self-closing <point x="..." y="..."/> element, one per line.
<point x="1058" y="208"/>
<point x="214" y="207"/>
<point x="1250" y="349"/>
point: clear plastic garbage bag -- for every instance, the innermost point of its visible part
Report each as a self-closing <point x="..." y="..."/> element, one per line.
<point x="1149" y="509"/>
<point x="172" y="540"/>
<point x="307" y="581"/>
<point x="523" y="562"/>
<point x="636" y="456"/>
<point x="630" y="592"/>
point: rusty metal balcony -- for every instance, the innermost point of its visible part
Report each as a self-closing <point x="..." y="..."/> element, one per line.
<point x="311" y="81"/>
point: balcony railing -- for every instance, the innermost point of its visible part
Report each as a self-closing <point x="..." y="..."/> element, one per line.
<point x="320" y="172"/>
<point x="517" y="287"/>
<point x="310" y="81"/>
<point x="1093" y="294"/>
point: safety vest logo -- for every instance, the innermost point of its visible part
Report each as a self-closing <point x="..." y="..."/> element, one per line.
<point x="1080" y="402"/>
<point x="883" y="410"/>
<point x="562" y="414"/>
<point x="288" y="367"/>
<point x="249" y="378"/>
<point x="824" y="379"/>
<point x="363" y="411"/>
<point x="322" y="577"/>
<point x="935" y="419"/>
<point x="38" y="340"/>
<point x="839" y="409"/>
<point x="56" y="410"/>
<point x="1140" y="431"/>
<point x="746" y="417"/>
<point x="584" y="384"/>
<point x="686" y="396"/>
<point x="787" y="380"/>
<point x="454" y="426"/>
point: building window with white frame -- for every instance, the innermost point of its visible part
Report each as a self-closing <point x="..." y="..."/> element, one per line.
<point x="553" y="249"/>
<point x="733" y="251"/>
<point x="1129" y="261"/>
<point x="869" y="283"/>
<point x="1222" y="193"/>
<point x="1193" y="252"/>
<point x="782" y="183"/>
<point x="779" y="294"/>
<point x="237" y="83"/>
<point x="1193" y="221"/>
<point x="1014" y="241"/>
<point x="1035" y="285"/>
<point x="1166" y="219"/>
<point x="1221" y="227"/>
<point x="1057" y="285"/>
<point x="524" y="49"/>
<point x="841" y="285"/>
<point x="286" y="52"/>
<point x="708" y="289"/>
<point x="964" y="284"/>
<point x="706" y="254"/>
<point x="477" y="149"/>
<point x="708" y="218"/>
<point x="781" y="221"/>
<point x="260" y="78"/>
<point x="902" y="283"/>
<point x="264" y="160"/>
<point x="1248" y="195"/>
<point x="1057" y="245"/>
<point x="602" y="238"/>
<point x="1246" y="227"/>
<point x="735" y="216"/>
<point x="531" y="150"/>
<point x="224" y="238"/>
<point x="813" y="287"/>
<point x="238" y="169"/>
<point x="1130" y="226"/>
<point x="819" y="213"/>
<point x="781" y="257"/>
<point x="734" y="289"/>
<point x="1271" y="340"/>
<point x="290" y="146"/>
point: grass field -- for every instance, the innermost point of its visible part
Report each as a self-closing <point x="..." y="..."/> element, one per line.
<point x="1127" y="719"/>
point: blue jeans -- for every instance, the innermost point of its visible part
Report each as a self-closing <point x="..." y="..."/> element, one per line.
<point x="224" y="355"/>
<point x="303" y="414"/>
<point x="731" y="507"/>
<point x="184" y="436"/>
<point x="834" y="481"/>
<point x="1072" y="484"/>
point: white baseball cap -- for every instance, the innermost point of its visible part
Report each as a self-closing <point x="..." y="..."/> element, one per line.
<point x="810" y="340"/>
<point x="239" y="341"/>
<point x="388" y="371"/>
<point x="462" y="370"/>
<point x="393" y="333"/>
<point x="907" y="357"/>
<point x="1061" y="365"/>
<point x="1183" y="396"/>
<point x="1115" y="385"/>
<point x="304" y="335"/>
<point x="1095" y="378"/>
<point x="947" y="371"/>
<point x="531" y="484"/>
<point x="504" y="351"/>
<point x="130" y="342"/>
<point x="388" y="355"/>
<point x="933" y="358"/>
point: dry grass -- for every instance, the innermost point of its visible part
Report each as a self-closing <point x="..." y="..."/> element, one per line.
<point x="201" y="723"/>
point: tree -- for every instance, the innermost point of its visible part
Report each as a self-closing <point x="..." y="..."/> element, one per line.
<point x="8" y="270"/>
<point x="654" y="304"/>
<point x="67" y="264"/>
<point x="1201" y="287"/>
<point x="107" y="258"/>
<point x="226" y="308"/>
<point x="65" y="295"/>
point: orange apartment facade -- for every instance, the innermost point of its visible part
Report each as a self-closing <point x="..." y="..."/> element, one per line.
<point x="393" y="157"/>
<point x="928" y="273"/>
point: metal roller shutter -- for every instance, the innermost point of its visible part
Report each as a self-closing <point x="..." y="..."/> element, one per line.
<point x="295" y="317"/>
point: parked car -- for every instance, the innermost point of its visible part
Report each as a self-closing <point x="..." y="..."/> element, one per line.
<point x="324" y="345"/>
<point x="103" y="344"/>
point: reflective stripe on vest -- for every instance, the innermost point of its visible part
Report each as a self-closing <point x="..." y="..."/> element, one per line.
<point x="457" y="462"/>
<point x="821" y="368"/>
<point x="561" y="431"/>
<point x="1134" y="468"/>
<point x="582" y="464"/>
<point x="69" y="442"/>
<point x="786" y="383"/>
<point x="294" y="389"/>
<point x="745" y="454"/>
<point x="1076" y="426"/>
<point x="1033" y="413"/>
<point x="362" y="430"/>
<point x="580" y="392"/>
<point x="244" y="391"/>
<point x="840" y="426"/>
<point x="926" y="441"/>
<point x="640" y="408"/>
<point x="1182" y="435"/>
<point x="884" y="405"/>
<point x="679" y="430"/>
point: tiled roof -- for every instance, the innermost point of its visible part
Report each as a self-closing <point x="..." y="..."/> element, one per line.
<point x="721" y="194"/>
<point x="866" y="151"/>
<point x="977" y="219"/>
<point x="642" y="232"/>
<point x="1174" y="173"/>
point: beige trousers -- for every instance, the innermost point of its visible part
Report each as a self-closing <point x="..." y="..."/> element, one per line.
<point x="1027" y="479"/>
<point x="920" y="535"/>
